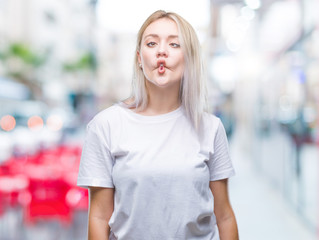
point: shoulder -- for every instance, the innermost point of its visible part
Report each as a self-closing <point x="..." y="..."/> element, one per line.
<point x="210" y="117"/>
<point x="105" y="117"/>
<point x="210" y="122"/>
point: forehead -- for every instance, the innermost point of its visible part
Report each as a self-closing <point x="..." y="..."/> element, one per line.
<point x="162" y="27"/>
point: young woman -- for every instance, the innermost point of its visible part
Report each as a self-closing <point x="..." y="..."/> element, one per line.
<point x="157" y="164"/>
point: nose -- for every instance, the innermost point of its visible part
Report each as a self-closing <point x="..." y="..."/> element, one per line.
<point x="162" y="52"/>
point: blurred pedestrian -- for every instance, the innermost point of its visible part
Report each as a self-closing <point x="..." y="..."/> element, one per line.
<point x="157" y="164"/>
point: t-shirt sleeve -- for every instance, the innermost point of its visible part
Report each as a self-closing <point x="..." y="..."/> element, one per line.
<point x="96" y="160"/>
<point x="220" y="164"/>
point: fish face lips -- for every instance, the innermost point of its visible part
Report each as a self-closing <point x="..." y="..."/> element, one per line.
<point x="161" y="63"/>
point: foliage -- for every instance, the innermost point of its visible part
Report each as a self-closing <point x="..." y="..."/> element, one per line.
<point x="86" y="62"/>
<point x="23" y="52"/>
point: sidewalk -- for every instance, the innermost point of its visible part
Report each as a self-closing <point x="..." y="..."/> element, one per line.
<point x="260" y="210"/>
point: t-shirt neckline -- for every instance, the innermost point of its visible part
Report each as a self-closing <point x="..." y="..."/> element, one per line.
<point x="152" y="118"/>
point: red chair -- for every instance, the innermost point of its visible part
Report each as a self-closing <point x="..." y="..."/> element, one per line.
<point x="48" y="201"/>
<point x="51" y="192"/>
<point x="78" y="199"/>
<point x="12" y="187"/>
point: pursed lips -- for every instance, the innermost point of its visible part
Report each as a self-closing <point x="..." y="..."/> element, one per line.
<point x="161" y="62"/>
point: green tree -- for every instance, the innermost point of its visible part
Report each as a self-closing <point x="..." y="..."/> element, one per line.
<point x="21" y="64"/>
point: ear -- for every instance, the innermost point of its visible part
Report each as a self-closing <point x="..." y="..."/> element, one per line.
<point x="139" y="57"/>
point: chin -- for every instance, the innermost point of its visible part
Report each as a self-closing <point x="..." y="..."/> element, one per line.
<point x="162" y="81"/>
<point x="165" y="84"/>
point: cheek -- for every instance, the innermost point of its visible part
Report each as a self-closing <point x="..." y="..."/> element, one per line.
<point x="145" y="57"/>
<point x="179" y="58"/>
<point x="179" y="63"/>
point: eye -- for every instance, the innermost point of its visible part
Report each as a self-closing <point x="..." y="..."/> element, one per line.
<point x="175" y="45"/>
<point x="151" y="44"/>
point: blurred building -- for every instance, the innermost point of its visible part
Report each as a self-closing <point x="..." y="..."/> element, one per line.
<point x="62" y="32"/>
<point x="115" y="54"/>
<point x="264" y="55"/>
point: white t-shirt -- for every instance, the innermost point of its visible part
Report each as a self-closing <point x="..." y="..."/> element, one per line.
<point x="160" y="169"/>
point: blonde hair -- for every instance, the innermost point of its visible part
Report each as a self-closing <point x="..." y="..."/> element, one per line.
<point x="192" y="89"/>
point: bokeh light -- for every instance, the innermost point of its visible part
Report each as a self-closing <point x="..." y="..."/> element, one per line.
<point x="8" y="123"/>
<point x="54" y="123"/>
<point x="35" y="123"/>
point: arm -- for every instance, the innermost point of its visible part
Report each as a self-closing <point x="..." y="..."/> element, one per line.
<point x="225" y="216"/>
<point x="100" y="211"/>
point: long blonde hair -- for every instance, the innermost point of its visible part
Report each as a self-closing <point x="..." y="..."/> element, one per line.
<point x="192" y="89"/>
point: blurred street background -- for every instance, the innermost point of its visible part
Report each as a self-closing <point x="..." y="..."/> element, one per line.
<point x="62" y="61"/>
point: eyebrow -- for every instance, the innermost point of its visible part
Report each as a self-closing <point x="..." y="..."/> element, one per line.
<point x="156" y="36"/>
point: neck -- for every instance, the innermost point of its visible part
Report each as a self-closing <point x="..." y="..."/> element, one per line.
<point x="162" y="100"/>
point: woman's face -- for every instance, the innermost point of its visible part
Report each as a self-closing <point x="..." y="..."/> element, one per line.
<point x="160" y="54"/>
